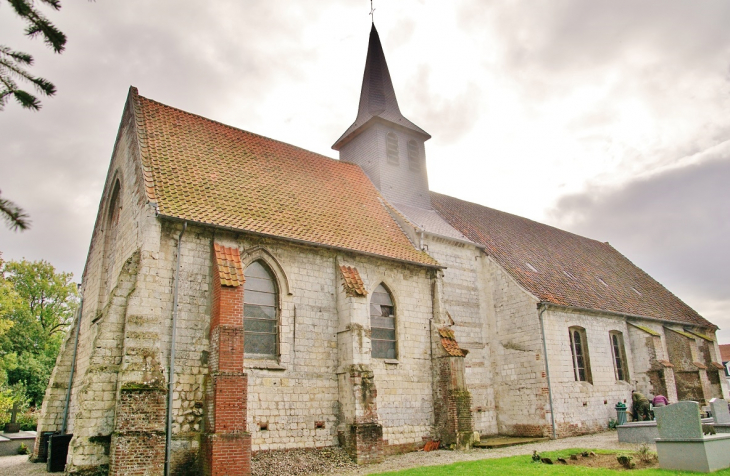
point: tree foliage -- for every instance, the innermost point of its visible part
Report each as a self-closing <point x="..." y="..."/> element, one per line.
<point x="37" y="305"/>
<point x="13" y="63"/>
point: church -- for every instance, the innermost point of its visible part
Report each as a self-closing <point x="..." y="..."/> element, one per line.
<point x="242" y="294"/>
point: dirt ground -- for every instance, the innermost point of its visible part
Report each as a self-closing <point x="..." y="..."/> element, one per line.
<point x="20" y="466"/>
<point x="607" y="461"/>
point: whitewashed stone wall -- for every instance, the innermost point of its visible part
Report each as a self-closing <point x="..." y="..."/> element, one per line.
<point x="467" y="299"/>
<point x="582" y="407"/>
<point x="518" y="361"/>
<point x="290" y="395"/>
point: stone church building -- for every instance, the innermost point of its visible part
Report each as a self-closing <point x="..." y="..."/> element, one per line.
<point x="242" y="294"/>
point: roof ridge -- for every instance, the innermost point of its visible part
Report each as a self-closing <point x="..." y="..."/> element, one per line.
<point x="641" y="270"/>
<point x="228" y="126"/>
<point x="140" y="125"/>
<point x="599" y="242"/>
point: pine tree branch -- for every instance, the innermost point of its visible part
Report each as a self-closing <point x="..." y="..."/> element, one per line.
<point x="40" y="25"/>
<point x="15" y="217"/>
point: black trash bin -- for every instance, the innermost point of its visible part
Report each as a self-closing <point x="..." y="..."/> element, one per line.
<point x="57" y="452"/>
<point x="43" y="446"/>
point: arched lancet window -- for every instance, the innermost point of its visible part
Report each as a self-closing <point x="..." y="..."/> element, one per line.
<point x="382" y="324"/>
<point x="110" y="230"/>
<point x="114" y="206"/>
<point x="391" y="147"/>
<point x="579" y="351"/>
<point x="619" y="355"/>
<point x="414" y="156"/>
<point x="260" y="316"/>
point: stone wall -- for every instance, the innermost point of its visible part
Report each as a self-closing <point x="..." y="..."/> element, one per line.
<point x="467" y="295"/>
<point x="397" y="182"/>
<point x="580" y="406"/>
<point x="109" y="288"/>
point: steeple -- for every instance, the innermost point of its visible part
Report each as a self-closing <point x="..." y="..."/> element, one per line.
<point x="377" y="97"/>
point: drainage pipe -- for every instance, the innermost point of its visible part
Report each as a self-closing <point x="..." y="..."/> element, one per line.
<point x="543" y="308"/>
<point x="171" y="372"/>
<point x="66" y="405"/>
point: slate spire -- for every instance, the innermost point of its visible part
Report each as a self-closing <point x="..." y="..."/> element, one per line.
<point x="377" y="96"/>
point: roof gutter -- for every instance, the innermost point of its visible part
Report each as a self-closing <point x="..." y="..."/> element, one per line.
<point x="299" y="242"/>
<point x="542" y="307"/>
<point x="171" y="372"/>
<point x="621" y="314"/>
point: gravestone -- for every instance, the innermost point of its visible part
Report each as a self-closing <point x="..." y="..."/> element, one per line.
<point x="13" y="427"/>
<point x="720" y="412"/>
<point x="681" y="420"/>
<point x="681" y="444"/>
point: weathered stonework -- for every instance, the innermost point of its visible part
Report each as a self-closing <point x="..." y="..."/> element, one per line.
<point x="470" y="353"/>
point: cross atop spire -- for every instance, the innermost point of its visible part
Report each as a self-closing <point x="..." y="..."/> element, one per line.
<point x="377" y="96"/>
<point x="372" y="12"/>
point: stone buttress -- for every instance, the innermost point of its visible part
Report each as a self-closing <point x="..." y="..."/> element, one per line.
<point x="226" y="443"/>
<point x="359" y="431"/>
<point x="451" y="397"/>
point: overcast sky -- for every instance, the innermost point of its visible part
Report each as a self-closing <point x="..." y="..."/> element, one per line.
<point x="607" y="118"/>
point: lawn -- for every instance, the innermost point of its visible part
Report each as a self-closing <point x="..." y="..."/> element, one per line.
<point x="524" y="466"/>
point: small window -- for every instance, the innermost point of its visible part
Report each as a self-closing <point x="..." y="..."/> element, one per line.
<point x="382" y="324"/>
<point x="391" y="148"/>
<point x="115" y="205"/>
<point x="579" y="351"/>
<point x="414" y="157"/>
<point x="260" y="320"/>
<point x="619" y="355"/>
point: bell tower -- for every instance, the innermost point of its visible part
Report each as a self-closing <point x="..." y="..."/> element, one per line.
<point x="386" y="145"/>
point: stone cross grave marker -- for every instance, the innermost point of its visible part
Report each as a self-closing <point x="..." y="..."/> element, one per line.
<point x="720" y="412"/>
<point x="679" y="421"/>
<point x="12" y="426"/>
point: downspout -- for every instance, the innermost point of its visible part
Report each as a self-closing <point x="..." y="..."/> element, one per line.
<point x="543" y="308"/>
<point x="66" y="405"/>
<point x="171" y="372"/>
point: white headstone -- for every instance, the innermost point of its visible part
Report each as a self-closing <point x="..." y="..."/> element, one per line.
<point x="680" y="420"/>
<point x="720" y="412"/>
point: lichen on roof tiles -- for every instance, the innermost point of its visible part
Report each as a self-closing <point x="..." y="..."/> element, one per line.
<point x="230" y="269"/>
<point x="202" y="171"/>
<point x="448" y="341"/>
<point x="352" y="283"/>
<point x="569" y="264"/>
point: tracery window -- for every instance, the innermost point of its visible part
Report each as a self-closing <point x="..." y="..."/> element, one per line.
<point x="391" y="148"/>
<point x="260" y="316"/>
<point x="579" y="351"/>
<point x="619" y="355"/>
<point x="382" y="324"/>
<point x="414" y="157"/>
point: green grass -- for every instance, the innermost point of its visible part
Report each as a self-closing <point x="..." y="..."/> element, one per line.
<point x="523" y="466"/>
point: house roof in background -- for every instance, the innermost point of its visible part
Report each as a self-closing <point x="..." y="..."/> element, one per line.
<point x="564" y="268"/>
<point x="725" y="352"/>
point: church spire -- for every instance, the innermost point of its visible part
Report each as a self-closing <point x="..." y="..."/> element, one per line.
<point x="377" y="97"/>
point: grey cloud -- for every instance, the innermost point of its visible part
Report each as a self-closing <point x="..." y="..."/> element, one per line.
<point x="674" y="225"/>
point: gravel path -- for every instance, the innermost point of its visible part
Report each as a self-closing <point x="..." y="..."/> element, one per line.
<point x="20" y="466"/>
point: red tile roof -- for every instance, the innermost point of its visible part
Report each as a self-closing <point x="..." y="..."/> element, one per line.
<point x="563" y="268"/>
<point x="448" y="340"/>
<point x="230" y="269"/>
<point x="352" y="284"/>
<point x="725" y="352"/>
<point x="202" y="171"/>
